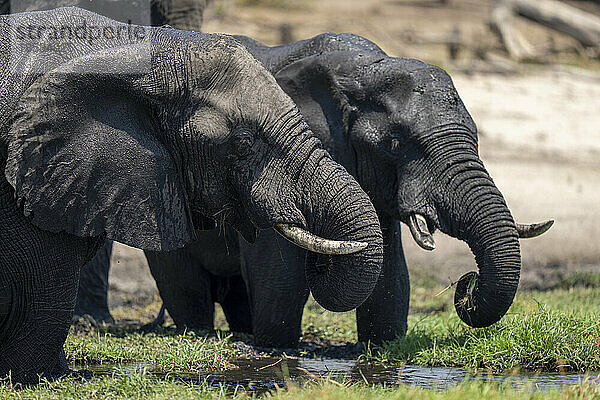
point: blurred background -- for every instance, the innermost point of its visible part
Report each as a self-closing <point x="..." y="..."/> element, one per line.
<point x="532" y="89"/>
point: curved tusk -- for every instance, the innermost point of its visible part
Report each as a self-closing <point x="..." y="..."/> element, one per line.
<point x="308" y="241"/>
<point x="420" y="232"/>
<point x="533" y="230"/>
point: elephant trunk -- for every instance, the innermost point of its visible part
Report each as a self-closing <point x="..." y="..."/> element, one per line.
<point x="479" y="216"/>
<point x="343" y="212"/>
<point x="315" y="203"/>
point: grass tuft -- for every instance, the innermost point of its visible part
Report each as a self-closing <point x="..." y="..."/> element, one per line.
<point x="541" y="340"/>
<point x="143" y="386"/>
<point x="166" y="352"/>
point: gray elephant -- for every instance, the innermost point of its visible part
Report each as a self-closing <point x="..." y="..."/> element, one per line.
<point x="400" y="128"/>
<point x="129" y="133"/>
<point x="179" y="14"/>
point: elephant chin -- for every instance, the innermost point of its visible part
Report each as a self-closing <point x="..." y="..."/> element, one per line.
<point x="241" y="224"/>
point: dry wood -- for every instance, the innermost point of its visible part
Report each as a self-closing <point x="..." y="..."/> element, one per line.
<point x="581" y="25"/>
<point x="516" y="45"/>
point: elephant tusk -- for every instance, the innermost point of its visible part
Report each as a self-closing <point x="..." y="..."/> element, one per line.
<point x="420" y="232"/>
<point x="308" y="241"/>
<point x="533" y="230"/>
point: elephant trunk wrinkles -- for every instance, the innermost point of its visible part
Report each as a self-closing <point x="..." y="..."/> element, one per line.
<point x="494" y="241"/>
<point x="341" y="282"/>
<point x="479" y="216"/>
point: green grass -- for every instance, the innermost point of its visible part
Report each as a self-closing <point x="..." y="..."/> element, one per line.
<point x="469" y="390"/>
<point x="557" y="330"/>
<point x="166" y="352"/>
<point x="135" y="386"/>
<point x="580" y="279"/>
<point x="143" y="386"/>
<point x="540" y="340"/>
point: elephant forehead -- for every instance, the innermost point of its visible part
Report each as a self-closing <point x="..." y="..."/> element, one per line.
<point x="435" y="87"/>
<point x="434" y="102"/>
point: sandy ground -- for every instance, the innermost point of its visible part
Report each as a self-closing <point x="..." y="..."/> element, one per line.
<point x="539" y="128"/>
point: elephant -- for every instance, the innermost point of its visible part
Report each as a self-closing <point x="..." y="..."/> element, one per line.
<point x="134" y="134"/>
<point x="179" y="14"/>
<point x="399" y="126"/>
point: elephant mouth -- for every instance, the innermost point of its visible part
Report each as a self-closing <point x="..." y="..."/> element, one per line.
<point x="297" y="235"/>
<point x="422" y="228"/>
<point x="419" y="229"/>
<point x="239" y="221"/>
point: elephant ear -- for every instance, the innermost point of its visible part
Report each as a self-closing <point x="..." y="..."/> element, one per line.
<point x="84" y="156"/>
<point x="318" y="85"/>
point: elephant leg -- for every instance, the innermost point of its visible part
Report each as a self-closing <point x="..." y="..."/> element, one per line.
<point x="185" y="288"/>
<point x="92" y="297"/>
<point x="383" y="316"/>
<point x="274" y="273"/>
<point x="236" y="305"/>
<point x="39" y="273"/>
<point x="180" y="14"/>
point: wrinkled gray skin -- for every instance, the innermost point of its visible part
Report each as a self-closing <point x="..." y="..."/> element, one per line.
<point x="179" y="14"/>
<point x="135" y="138"/>
<point x="400" y="128"/>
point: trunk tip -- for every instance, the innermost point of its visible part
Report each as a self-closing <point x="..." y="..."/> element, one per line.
<point x="471" y="308"/>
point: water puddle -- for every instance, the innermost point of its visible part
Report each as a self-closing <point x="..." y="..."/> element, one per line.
<point x="262" y="374"/>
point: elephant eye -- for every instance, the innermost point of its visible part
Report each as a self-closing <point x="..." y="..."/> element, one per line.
<point x="244" y="148"/>
<point x="243" y="139"/>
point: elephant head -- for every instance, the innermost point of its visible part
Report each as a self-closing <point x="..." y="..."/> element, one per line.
<point x="403" y="131"/>
<point x="138" y="140"/>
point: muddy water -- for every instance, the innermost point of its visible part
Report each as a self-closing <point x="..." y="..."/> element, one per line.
<point x="262" y="374"/>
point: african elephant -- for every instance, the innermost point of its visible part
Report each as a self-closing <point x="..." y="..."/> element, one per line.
<point x="179" y="14"/>
<point x="400" y="128"/>
<point x="130" y="133"/>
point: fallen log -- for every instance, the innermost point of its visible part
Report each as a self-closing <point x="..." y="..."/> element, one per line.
<point x="516" y="45"/>
<point x="581" y="25"/>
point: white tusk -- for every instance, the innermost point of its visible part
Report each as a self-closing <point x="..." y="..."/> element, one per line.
<point x="420" y="232"/>
<point x="308" y="241"/>
<point x="533" y="230"/>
